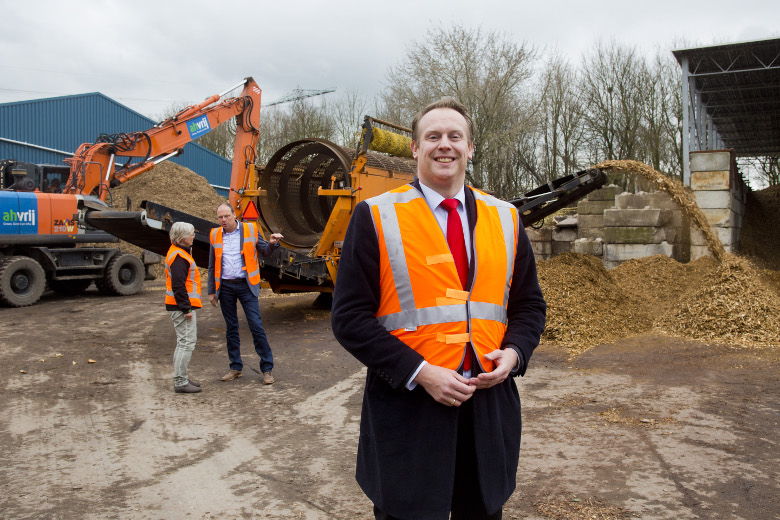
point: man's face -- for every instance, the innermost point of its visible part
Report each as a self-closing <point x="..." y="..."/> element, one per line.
<point x="442" y="150"/>
<point x="226" y="218"/>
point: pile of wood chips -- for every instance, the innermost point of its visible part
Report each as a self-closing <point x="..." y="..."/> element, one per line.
<point x="562" y="508"/>
<point x="734" y="305"/>
<point x="729" y="302"/>
<point x="760" y="236"/>
<point x="170" y="185"/>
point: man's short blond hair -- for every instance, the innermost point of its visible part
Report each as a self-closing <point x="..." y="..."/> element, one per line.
<point x="446" y="102"/>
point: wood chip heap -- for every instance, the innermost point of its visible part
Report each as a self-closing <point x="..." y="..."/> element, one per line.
<point x="729" y="302"/>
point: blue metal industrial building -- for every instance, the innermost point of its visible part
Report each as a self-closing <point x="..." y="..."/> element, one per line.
<point x="46" y="131"/>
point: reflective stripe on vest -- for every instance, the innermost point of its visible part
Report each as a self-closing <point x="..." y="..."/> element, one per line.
<point x="248" y="251"/>
<point x="193" y="278"/>
<point x="448" y="312"/>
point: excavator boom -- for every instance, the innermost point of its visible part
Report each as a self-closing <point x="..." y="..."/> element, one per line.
<point x="93" y="168"/>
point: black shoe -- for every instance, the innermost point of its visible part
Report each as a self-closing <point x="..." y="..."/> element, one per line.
<point x="189" y="388"/>
<point x="195" y="383"/>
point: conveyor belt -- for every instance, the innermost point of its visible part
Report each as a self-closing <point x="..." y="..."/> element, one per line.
<point x="557" y="194"/>
<point x="149" y="229"/>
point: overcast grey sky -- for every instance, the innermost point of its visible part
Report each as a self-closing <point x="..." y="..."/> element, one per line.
<point x="151" y="55"/>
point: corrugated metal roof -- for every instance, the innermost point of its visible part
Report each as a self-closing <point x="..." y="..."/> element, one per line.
<point x="62" y="124"/>
<point x="736" y="89"/>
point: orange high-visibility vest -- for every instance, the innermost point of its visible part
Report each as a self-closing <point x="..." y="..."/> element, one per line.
<point x="421" y="299"/>
<point x="249" y="252"/>
<point x="193" y="278"/>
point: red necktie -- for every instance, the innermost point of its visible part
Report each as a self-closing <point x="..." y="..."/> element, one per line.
<point x="458" y="249"/>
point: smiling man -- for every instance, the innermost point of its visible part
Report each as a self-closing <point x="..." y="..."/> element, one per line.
<point x="437" y="294"/>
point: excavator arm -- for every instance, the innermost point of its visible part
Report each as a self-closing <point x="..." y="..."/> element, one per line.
<point x="93" y="168"/>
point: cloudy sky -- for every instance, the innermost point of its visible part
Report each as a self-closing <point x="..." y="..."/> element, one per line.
<point x="152" y="55"/>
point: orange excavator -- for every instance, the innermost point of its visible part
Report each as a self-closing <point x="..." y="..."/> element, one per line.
<point x="43" y="207"/>
<point x="93" y="168"/>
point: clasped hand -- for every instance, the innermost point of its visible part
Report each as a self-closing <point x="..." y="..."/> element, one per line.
<point x="452" y="389"/>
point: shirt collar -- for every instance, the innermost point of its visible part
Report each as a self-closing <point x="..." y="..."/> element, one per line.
<point x="434" y="199"/>
<point x="231" y="232"/>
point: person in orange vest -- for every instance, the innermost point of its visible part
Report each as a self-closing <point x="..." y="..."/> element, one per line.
<point x="437" y="294"/>
<point x="234" y="276"/>
<point x="182" y="298"/>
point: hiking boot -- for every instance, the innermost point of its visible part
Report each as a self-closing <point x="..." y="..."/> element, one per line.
<point x="233" y="374"/>
<point x="189" y="388"/>
<point x="268" y="379"/>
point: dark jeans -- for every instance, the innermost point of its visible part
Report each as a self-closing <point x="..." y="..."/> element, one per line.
<point x="229" y="295"/>
<point x="466" y="498"/>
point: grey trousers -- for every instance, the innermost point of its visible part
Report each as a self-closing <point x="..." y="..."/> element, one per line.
<point x="186" y="337"/>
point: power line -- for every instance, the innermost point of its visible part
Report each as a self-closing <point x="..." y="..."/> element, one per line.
<point x="299" y="93"/>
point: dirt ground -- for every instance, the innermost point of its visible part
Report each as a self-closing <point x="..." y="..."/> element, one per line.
<point x="647" y="427"/>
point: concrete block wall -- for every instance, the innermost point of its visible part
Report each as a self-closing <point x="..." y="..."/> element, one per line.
<point x="721" y="194"/>
<point x="616" y="226"/>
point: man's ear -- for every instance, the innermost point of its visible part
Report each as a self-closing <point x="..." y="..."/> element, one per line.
<point x="413" y="146"/>
<point x="471" y="149"/>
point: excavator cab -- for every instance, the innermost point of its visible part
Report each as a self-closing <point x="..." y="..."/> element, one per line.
<point x="23" y="176"/>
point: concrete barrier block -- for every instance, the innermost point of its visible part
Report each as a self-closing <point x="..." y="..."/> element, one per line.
<point x="591" y="233"/>
<point x="710" y="180"/>
<point x="590" y="221"/>
<point x="594" y="207"/>
<point x="634" y="235"/>
<point x="697" y="237"/>
<point x="632" y="217"/>
<point x="561" y="247"/>
<point x="623" y="252"/>
<point x="589" y="247"/>
<point x="699" y="252"/>
<point x="710" y="161"/>
<point x="718" y="217"/>
<point x="541" y="248"/>
<point x="605" y="193"/>
<point x="564" y="235"/>
<point x="657" y="199"/>
<point x="727" y="236"/>
<point x="543" y="233"/>
<point x="673" y="218"/>
<point x="708" y="199"/>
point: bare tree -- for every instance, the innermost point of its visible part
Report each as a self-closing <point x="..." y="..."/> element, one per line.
<point x="612" y="76"/>
<point x="485" y="71"/>
<point x="221" y="139"/>
<point x="346" y="114"/>
<point x="764" y="169"/>
<point x="283" y="124"/>
<point x="560" y="117"/>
